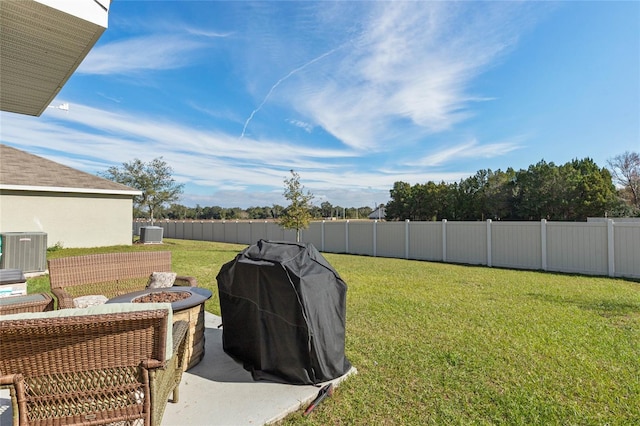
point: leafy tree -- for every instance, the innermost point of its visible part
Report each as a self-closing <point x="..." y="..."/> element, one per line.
<point x="259" y="212"/>
<point x="399" y="207"/>
<point x="276" y="211"/>
<point x="364" y="212"/>
<point x="198" y="212"/>
<point x="625" y="170"/>
<point x="177" y="212"/>
<point x="465" y="199"/>
<point x="573" y="191"/>
<point x="539" y="190"/>
<point x="154" y="179"/>
<point x="326" y="208"/>
<point x="297" y="215"/>
<point x="497" y="194"/>
<point x="316" y="212"/>
<point x="591" y="190"/>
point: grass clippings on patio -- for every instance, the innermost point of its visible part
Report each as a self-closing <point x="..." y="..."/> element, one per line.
<point x="452" y="344"/>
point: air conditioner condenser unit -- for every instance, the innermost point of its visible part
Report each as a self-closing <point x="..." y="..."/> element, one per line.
<point x="151" y="234"/>
<point x="26" y="251"/>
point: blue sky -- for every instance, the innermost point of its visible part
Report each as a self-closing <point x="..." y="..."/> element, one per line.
<point x="353" y="96"/>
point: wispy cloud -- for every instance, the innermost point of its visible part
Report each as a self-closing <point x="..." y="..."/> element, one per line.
<point x="364" y="80"/>
<point x="405" y="72"/>
<point x="279" y="82"/>
<point x="472" y="149"/>
<point x="207" y="33"/>
<point x="307" y="127"/>
<point x="104" y="138"/>
<point x="134" y="55"/>
<point x="206" y="158"/>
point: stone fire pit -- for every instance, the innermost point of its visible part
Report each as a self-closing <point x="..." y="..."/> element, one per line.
<point x="187" y="304"/>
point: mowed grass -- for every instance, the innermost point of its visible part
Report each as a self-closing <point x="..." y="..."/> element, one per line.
<point x="452" y="344"/>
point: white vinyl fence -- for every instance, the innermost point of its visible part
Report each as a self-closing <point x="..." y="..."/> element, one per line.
<point x="593" y="248"/>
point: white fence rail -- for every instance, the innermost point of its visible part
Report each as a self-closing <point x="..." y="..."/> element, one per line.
<point x="593" y="248"/>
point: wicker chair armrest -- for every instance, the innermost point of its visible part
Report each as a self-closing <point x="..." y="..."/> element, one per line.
<point x="183" y="280"/>
<point x="15" y="383"/>
<point x="165" y="379"/>
<point x="180" y="332"/>
<point x="65" y="300"/>
<point x="7" y="380"/>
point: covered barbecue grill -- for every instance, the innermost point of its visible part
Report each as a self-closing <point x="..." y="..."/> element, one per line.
<point x="283" y="311"/>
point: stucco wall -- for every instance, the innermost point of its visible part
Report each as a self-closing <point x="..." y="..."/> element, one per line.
<point x="74" y="220"/>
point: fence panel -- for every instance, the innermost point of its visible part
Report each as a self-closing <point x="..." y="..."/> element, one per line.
<point x="244" y="233"/>
<point x="219" y="231"/>
<point x="290" y="235"/>
<point x="198" y="230"/>
<point x="361" y="238"/>
<point x="207" y="231"/>
<point x="274" y="232"/>
<point x="179" y="230"/>
<point x="627" y="249"/>
<point x="186" y="230"/>
<point x="577" y="247"/>
<point x="230" y="232"/>
<point x="334" y="237"/>
<point x="467" y="242"/>
<point x="595" y="248"/>
<point x="425" y="240"/>
<point x="516" y="245"/>
<point x="390" y="239"/>
<point x="258" y="231"/>
<point x="313" y="235"/>
<point x="168" y="229"/>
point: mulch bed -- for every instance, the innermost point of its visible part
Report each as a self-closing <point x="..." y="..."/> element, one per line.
<point x="162" y="297"/>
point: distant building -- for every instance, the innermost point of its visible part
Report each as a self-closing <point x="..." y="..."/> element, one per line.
<point x="379" y="213"/>
<point x="74" y="208"/>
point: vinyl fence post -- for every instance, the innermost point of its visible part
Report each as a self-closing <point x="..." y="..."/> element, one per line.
<point x="406" y="238"/>
<point x="375" y="237"/>
<point x="611" y="260"/>
<point x="346" y="236"/>
<point x="489" y="243"/>
<point x="543" y="243"/>
<point x="444" y="240"/>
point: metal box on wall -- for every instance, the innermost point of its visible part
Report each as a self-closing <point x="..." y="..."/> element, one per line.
<point x="26" y="251"/>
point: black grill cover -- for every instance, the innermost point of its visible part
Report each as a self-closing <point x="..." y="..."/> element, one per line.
<point x="283" y="312"/>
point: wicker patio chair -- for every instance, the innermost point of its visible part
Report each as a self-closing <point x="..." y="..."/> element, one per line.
<point x="102" y="368"/>
<point x="108" y="274"/>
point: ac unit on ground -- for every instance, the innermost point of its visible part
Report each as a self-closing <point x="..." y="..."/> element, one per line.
<point x="151" y="234"/>
<point x="26" y="251"/>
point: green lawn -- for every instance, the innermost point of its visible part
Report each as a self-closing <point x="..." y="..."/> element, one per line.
<point x="451" y="344"/>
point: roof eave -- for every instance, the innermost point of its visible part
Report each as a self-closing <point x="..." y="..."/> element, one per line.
<point x="69" y="190"/>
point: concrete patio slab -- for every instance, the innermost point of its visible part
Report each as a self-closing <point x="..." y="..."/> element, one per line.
<point x="218" y="391"/>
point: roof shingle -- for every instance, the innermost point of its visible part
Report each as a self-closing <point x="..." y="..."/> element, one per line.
<point x="19" y="168"/>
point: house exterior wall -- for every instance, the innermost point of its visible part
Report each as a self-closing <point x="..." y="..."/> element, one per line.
<point x="71" y="219"/>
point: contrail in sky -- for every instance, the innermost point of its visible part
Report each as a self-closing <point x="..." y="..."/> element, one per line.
<point x="264" y="101"/>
